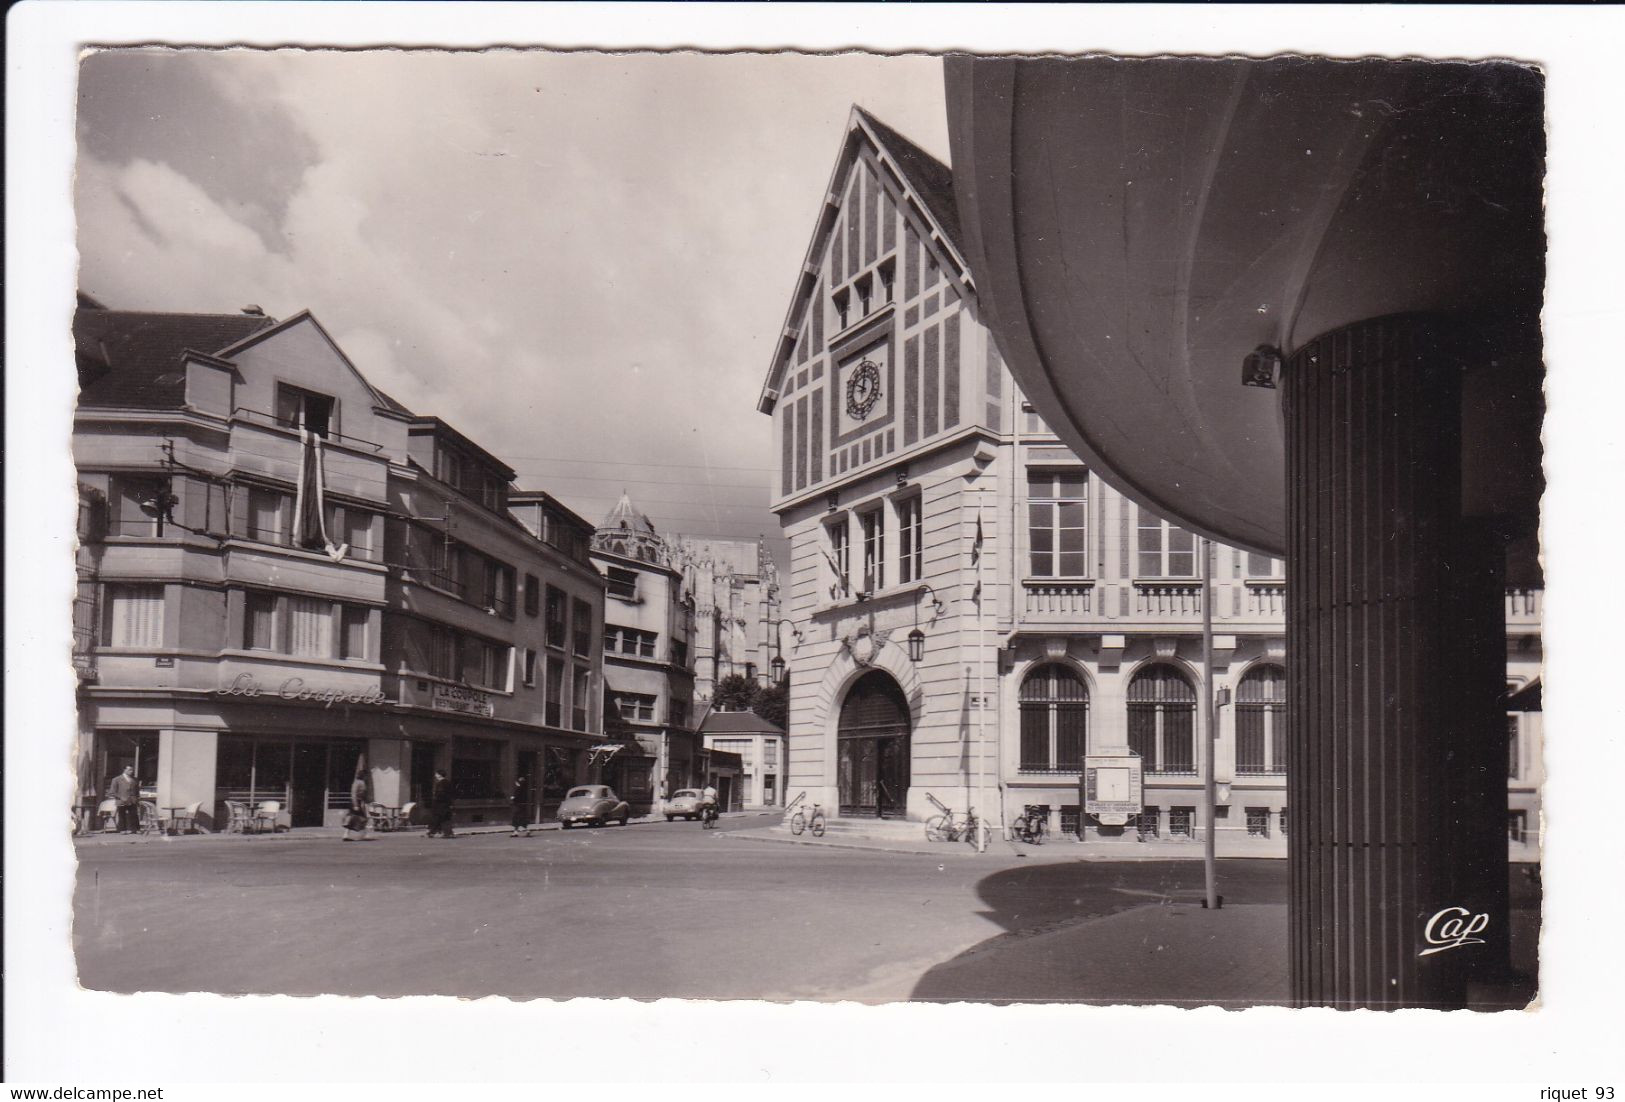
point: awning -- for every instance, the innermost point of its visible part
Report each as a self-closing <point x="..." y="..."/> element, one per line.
<point x="601" y="755"/>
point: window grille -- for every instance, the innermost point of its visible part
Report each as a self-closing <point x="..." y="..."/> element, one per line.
<point x="1072" y="819"/>
<point x="1054" y="720"/>
<point x="1261" y="744"/>
<point x="1162" y="720"/>
<point x="1148" y="823"/>
<point x="1180" y="822"/>
<point x="1258" y="822"/>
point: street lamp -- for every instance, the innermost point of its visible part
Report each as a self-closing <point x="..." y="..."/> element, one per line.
<point x="777" y="664"/>
<point x="916" y="638"/>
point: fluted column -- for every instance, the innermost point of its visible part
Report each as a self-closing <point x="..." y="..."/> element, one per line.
<point x="1396" y="659"/>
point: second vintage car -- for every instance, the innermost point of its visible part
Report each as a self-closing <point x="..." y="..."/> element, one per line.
<point x="594" y="804"/>
<point x="684" y="802"/>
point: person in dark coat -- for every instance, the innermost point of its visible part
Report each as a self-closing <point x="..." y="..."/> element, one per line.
<point x="125" y="791"/>
<point x="440" y="806"/>
<point x="356" y="821"/>
<point x="520" y="798"/>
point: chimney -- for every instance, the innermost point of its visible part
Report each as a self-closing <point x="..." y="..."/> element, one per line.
<point x="254" y="310"/>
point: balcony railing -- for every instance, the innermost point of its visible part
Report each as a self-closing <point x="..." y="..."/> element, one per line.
<point x="1168" y="600"/>
<point x="1059" y="600"/>
<point x="271" y="420"/>
<point x="1524" y="604"/>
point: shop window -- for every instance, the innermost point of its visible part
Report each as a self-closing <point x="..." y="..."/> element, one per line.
<point x="473" y="779"/>
<point x="1162" y="720"/>
<point x="1057" y="523"/>
<point x="1258" y="822"/>
<point x="117" y="749"/>
<point x="299" y="408"/>
<point x="1054" y="720"/>
<point x="1165" y="550"/>
<point x="135" y="616"/>
<point x="1261" y="745"/>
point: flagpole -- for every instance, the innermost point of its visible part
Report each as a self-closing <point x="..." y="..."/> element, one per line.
<point x="982" y="829"/>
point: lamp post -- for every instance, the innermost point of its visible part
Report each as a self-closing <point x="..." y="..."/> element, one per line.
<point x="777" y="665"/>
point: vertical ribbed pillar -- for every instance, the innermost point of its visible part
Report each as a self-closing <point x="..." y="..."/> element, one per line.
<point x="1396" y="660"/>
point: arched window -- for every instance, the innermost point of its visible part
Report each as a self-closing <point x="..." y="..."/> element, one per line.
<point x="1261" y="721"/>
<point x="1054" y="720"/>
<point x="1162" y="720"/>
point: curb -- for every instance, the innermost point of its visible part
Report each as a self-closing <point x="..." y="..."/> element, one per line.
<point x="307" y="833"/>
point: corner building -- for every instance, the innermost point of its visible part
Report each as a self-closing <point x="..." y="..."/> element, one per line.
<point x="1052" y="618"/>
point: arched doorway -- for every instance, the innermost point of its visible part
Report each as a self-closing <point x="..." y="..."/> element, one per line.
<point x="873" y="758"/>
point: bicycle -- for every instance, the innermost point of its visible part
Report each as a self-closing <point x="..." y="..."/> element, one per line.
<point x="948" y="828"/>
<point x="1032" y="824"/>
<point x="708" y="817"/>
<point x="801" y="821"/>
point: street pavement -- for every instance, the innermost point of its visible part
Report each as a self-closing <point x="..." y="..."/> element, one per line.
<point x="668" y="910"/>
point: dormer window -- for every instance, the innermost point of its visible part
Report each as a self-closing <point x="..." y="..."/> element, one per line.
<point x="304" y="409"/>
<point x="842" y="301"/>
<point x="888" y="277"/>
<point x="866" y="293"/>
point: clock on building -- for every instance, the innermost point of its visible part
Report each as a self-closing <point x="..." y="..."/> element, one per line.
<point x="862" y="389"/>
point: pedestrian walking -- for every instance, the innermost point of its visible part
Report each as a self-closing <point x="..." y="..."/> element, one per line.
<point x="440" y="806"/>
<point x="355" y="823"/>
<point x="124" y="791"/>
<point x="521" y="807"/>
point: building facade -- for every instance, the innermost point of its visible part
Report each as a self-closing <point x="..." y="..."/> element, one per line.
<point x="734" y="585"/>
<point x="286" y="577"/>
<point x="648" y="658"/>
<point x="978" y="613"/>
<point x="760" y="747"/>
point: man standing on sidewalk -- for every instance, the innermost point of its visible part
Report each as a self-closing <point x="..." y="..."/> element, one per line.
<point x="125" y="791"/>
<point x="440" y="806"/>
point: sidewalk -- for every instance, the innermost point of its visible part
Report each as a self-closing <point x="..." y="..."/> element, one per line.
<point x="333" y="832"/>
<point x="913" y="841"/>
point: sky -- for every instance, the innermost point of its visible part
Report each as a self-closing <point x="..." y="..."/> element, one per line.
<point x="579" y="260"/>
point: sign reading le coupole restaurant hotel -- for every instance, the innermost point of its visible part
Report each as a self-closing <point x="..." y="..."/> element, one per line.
<point x="459" y="698"/>
<point x="1111" y="787"/>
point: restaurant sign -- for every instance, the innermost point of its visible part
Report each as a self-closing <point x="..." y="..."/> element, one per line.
<point x="294" y="688"/>
<point x="460" y="698"/>
<point x="1112" y="787"/>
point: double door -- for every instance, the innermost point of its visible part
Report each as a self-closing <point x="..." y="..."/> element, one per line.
<point x="873" y="775"/>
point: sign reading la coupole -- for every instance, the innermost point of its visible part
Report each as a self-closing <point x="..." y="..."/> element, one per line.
<point x="294" y="688"/>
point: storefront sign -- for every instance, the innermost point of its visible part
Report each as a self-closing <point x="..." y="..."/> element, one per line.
<point x="1112" y="787"/>
<point x="294" y="688"/>
<point x="459" y="698"/>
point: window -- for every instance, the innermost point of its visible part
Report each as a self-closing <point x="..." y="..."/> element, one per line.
<point x="1514" y="750"/>
<point x="555" y="692"/>
<point x="140" y="504"/>
<point x="533" y="595"/>
<point x="1180" y="820"/>
<point x="555" y="617"/>
<point x="354" y="640"/>
<point x="888" y="277"/>
<point x="842" y="301"/>
<point x="874" y="550"/>
<point x="1261" y="721"/>
<point x="1258" y="822"/>
<point x="310" y="627"/>
<point x="865" y="286"/>
<point x="1031" y="423"/>
<point x="297" y="408"/>
<point x="1283" y="822"/>
<point x="1057" y="523"/>
<point x="357" y="529"/>
<point x="1162" y="720"/>
<point x="840" y="557"/>
<point x="679" y="653"/>
<point x="1166" y="550"/>
<point x="1148" y="823"/>
<point x="135" y="615"/>
<point x="581" y="627"/>
<point x="443" y="653"/>
<point x="910" y="547"/>
<point x="486" y="664"/>
<point x="1054" y="720"/>
<point x="679" y="713"/>
<point x="1518" y="826"/>
<point x="1262" y="566"/>
<point x="578" y="697"/>
<point x="623" y="583"/>
<point x="259" y="621"/>
<point x="636" y="707"/>
<point x="497" y="588"/>
<point x="530" y="668"/>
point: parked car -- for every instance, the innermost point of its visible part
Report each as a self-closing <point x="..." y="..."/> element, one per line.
<point x="684" y="802"/>
<point x="596" y="804"/>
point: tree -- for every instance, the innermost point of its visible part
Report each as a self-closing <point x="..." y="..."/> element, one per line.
<point x="734" y="693"/>
<point x="773" y="704"/>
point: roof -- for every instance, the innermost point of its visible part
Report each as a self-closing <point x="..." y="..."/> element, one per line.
<point x="738" y="723"/>
<point x="626" y="517"/>
<point x="534" y="497"/>
<point x="440" y="428"/>
<point x="135" y="360"/>
<point x="933" y="180"/>
<point x="928" y="188"/>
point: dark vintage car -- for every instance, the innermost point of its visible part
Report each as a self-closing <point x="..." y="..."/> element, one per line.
<point x="684" y="802"/>
<point x="595" y="804"/>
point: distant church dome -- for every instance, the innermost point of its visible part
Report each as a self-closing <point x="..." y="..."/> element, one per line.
<point x="629" y="533"/>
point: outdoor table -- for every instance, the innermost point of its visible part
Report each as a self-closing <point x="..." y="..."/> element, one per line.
<point x="170" y="829"/>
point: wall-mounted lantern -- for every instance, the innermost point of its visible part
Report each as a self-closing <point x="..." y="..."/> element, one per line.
<point x="916" y="638"/>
